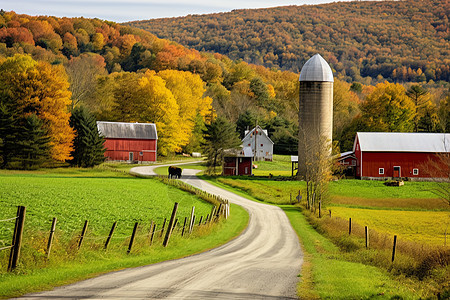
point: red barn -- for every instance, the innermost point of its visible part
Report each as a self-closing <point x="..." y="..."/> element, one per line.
<point x="385" y="155"/>
<point x="133" y="142"/>
<point x="238" y="161"/>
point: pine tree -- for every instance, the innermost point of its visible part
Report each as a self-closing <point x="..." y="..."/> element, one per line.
<point x="8" y="135"/>
<point x="88" y="144"/>
<point x="219" y="135"/>
<point x="33" y="146"/>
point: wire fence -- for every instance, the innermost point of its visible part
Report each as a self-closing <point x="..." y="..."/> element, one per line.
<point x="153" y="233"/>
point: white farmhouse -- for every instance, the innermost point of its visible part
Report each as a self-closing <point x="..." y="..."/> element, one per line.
<point x="259" y="141"/>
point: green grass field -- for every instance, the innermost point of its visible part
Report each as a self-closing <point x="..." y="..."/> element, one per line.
<point x="102" y="196"/>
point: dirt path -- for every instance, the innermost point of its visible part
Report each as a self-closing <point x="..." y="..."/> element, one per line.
<point x="262" y="263"/>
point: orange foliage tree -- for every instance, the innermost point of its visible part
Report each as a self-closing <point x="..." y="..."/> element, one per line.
<point x="32" y="87"/>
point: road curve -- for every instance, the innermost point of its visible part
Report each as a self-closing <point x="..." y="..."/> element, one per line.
<point x="262" y="263"/>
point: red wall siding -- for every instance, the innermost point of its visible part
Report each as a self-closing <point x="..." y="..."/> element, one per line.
<point x="358" y="158"/>
<point x="119" y="149"/>
<point x="245" y="167"/>
<point x="372" y="161"/>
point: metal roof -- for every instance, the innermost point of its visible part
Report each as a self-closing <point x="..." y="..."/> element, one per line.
<point x="316" y="69"/>
<point x="403" y="142"/>
<point x="238" y="152"/>
<point x="119" y="130"/>
<point x="250" y="132"/>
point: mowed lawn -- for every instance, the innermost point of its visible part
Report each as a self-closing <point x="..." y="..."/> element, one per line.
<point x="102" y="197"/>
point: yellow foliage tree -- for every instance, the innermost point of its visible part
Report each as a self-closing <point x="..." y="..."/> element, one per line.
<point x="188" y="90"/>
<point x="145" y="98"/>
<point x="388" y="108"/>
<point x="39" y="88"/>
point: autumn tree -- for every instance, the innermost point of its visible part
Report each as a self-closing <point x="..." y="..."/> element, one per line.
<point x="388" y="109"/>
<point x="83" y="71"/>
<point x="416" y="93"/>
<point x="145" y="98"/>
<point x="39" y="88"/>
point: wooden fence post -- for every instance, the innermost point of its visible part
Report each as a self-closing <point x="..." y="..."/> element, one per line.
<point x="393" y="248"/>
<point x="163" y="226"/>
<point x="132" y="237"/>
<point x="192" y="219"/>
<point x="110" y="235"/>
<point x="153" y="234"/>
<point x="213" y="211"/>
<point x="50" y="237"/>
<point x="350" y="226"/>
<point x="184" y="226"/>
<point x="83" y="233"/>
<point x="17" y="238"/>
<point x="366" y="233"/>
<point x="171" y="225"/>
<point x="200" y="222"/>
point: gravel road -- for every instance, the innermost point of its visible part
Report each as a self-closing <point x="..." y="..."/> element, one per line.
<point x="262" y="263"/>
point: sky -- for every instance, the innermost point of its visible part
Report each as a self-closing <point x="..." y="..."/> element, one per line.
<point x="123" y="11"/>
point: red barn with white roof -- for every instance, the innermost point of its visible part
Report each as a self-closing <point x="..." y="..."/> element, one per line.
<point x="383" y="155"/>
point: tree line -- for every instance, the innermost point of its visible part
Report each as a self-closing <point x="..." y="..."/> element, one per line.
<point x="54" y="69"/>
<point x="364" y="41"/>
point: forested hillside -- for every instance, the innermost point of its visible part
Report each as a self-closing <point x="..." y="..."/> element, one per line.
<point x="401" y="41"/>
<point x="126" y="74"/>
<point x="51" y="67"/>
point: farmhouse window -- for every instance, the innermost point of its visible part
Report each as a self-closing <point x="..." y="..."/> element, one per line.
<point x="415" y="171"/>
<point x="381" y="171"/>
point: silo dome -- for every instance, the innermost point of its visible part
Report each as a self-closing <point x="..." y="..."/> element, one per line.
<point x="316" y="69"/>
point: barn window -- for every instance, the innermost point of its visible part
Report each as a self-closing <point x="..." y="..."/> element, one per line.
<point x="353" y="162"/>
<point x="381" y="171"/>
<point x="415" y="171"/>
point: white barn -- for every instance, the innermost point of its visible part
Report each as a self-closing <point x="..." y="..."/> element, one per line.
<point x="260" y="143"/>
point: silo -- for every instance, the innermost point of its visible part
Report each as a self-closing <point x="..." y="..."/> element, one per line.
<point x="315" y="110"/>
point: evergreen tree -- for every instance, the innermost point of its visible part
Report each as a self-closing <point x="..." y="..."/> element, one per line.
<point x="88" y="144"/>
<point x="219" y="135"/>
<point x="33" y="146"/>
<point x="8" y="135"/>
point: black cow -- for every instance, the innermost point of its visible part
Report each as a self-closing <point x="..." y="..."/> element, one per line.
<point x="174" y="172"/>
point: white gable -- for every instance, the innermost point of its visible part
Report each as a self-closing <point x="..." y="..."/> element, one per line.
<point x="403" y="142"/>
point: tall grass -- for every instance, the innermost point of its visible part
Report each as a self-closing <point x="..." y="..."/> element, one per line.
<point x="428" y="265"/>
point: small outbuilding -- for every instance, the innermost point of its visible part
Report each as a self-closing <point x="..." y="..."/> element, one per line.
<point x="259" y="142"/>
<point x="238" y="161"/>
<point x="132" y="142"/>
<point x="387" y="155"/>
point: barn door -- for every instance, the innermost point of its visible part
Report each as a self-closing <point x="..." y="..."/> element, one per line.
<point x="131" y="156"/>
<point x="397" y="172"/>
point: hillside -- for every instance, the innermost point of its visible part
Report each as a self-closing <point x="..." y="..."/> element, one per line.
<point x="362" y="40"/>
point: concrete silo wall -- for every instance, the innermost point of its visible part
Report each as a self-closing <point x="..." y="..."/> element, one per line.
<point x="315" y="119"/>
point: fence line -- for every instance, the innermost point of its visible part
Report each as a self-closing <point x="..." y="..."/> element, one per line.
<point x="11" y="219"/>
<point x="221" y="207"/>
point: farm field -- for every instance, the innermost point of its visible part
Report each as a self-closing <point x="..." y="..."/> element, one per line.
<point x="102" y="197"/>
<point x="414" y="203"/>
